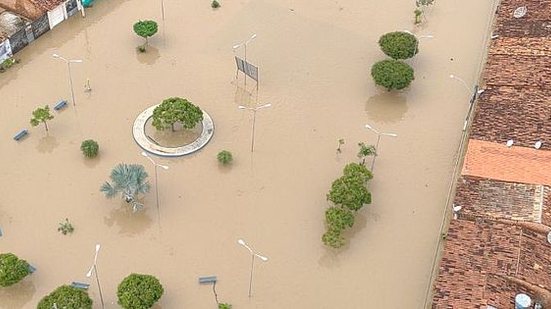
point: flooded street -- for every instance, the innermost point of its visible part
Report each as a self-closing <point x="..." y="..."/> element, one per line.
<point x="315" y="61"/>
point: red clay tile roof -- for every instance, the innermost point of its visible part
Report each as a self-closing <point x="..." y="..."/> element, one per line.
<point x="484" y="261"/>
<point x="513" y="164"/>
<point x="488" y="198"/>
<point x="518" y="113"/>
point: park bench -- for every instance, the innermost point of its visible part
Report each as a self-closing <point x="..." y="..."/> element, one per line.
<point x="60" y="105"/>
<point x="80" y="285"/>
<point x="19" y="135"/>
<point x="207" y="280"/>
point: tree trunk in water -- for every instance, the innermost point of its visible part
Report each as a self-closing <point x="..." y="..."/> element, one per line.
<point x="46" y="125"/>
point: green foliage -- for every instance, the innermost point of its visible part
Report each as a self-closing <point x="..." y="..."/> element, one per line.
<point x="392" y="74"/>
<point x="8" y="63"/>
<point x="66" y="296"/>
<point x="89" y="148"/>
<point x="65" y="227"/>
<point x="225" y="157"/>
<point x="215" y="4"/>
<point x="129" y="180"/>
<point x="12" y="269"/>
<point x="349" y="192"/>
<point x="418" y="16"/>
<point x="366" y="151"/>
<point x="420" y="10"/>
<point x="333" y="238"/>
<point x="224" y="306"/>
<point x="145" y="29"/>
<point x="399" y="45"/>
<point x="339" y="218"/>
<point x="359" y="171"/>
<point x="176" y="110"/>
<point x="41" y="114"/>
<point x="139" y="291"/>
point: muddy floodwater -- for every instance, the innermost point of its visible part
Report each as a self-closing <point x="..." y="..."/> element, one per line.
<point x="314" y="60"/>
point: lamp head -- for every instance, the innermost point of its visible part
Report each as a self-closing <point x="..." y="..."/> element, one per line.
<point x="144" y="154"/>
<point x="55" y="55"/>
<point x="241" y="107"/>
<point x="253" y="36"/>
<point x="241" y="242"/>
<point x="236" y="46"/>
<point x="263" y="258"/>
<point x="164" y="167"/>
<point x="98" y="246"/>
<point x="391" y="134"/>
<point x="369" y="127"/>
<point x="89" y="273"/>
<point x="452" y="76"/>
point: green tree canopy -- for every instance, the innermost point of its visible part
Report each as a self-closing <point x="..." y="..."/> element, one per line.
<point x="129" y="180"/>
<point x="392" y="74"/>
<point x="145" y="28"/>
<point x="350" y="192"/>
<point x="12" y="269"/>
<point x="359" y="171"/>
<point x="41" y="114"/>
<point x="139" y="291"/>
<point x="66" y="296"/>
<point x="176" y="110"/>
<point x="89" y="148"/>
<point x="399" y="45"/>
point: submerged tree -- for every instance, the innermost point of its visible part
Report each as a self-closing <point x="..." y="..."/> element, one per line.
<point x="420" y="10"/>
<point x="399" y="45"/>
<point x="129" y="180"/>
<point x="66" y="296"/>
<point x="12" y="269"/>
<point x="139" y="291"/>
<point x="41" y="114"/>
<point x="365" y="151"/>
<point x="145" y="29"/>
<point x="176" y="110"/>
<point x="392" y="74"/>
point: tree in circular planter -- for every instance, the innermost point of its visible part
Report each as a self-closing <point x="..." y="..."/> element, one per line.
<point x="399" y="45"/>
<point x="12" y="269"/>
<point x="392" y="74"/>
<point x="139" y="291"/>
<point x="176" y="110"/>
<point x="66" y="296"/>
<point x="89" y="148"/>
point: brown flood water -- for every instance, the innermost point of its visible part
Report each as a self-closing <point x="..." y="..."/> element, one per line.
<point x="314" y="61"/>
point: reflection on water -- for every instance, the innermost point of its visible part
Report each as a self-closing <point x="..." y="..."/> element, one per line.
<point x="149" y="57"/>
<point x="245" y="97"/>
<point x="47" y="144"/>
<point x="386" y="107"/>
<point x="129" y="223"/>
<point x="17" y="295"/>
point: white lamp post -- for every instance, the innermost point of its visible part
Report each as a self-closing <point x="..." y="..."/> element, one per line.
<point x="69" y="61"/>
<point x="426" y="36"/>
<point x="254" y="109"/>
<point x="245" y="43"/>
<point x="379" y="134"/>
<point x="253" y="255"/>
<point x="462" y="81"/>
<point x="94" y="269"/>
<point x="156" y="175"/>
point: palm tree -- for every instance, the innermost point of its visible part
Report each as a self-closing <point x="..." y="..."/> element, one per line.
<point x="129" y="180"/>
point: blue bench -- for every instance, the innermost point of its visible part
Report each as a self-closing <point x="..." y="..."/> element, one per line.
<point x="32" y="269"/>
<point x="207" y="280"/>
<point x="60" y="105"/>
<point x="19" y="135"/>
<point x="80" y="285"/>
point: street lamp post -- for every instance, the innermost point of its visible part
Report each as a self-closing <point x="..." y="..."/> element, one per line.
<point x="379" y="134"/>
<point x="254" y="109"/>
<point x="94" y="269"/>
<point x="69" y="61"/>
<point x="462" y="81"/>
<point x="253" y="255"/>
<point x="426" y="36"/>
<point x="156" y="176"/>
